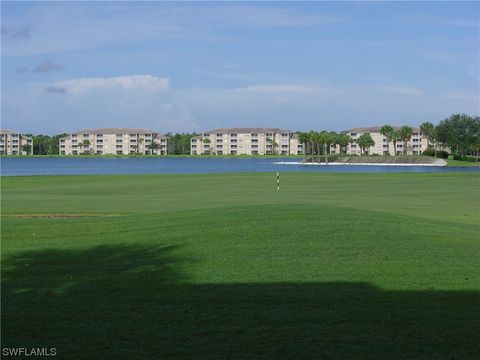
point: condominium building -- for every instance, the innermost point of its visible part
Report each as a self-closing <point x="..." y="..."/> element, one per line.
<point x="13" y="143"/>
<point x="414" y="146"/>
<point x="113" y="141"/>
<point x="246" y="141"/>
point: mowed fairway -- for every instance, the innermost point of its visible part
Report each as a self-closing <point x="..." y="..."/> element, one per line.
<point x="335" y="266"/>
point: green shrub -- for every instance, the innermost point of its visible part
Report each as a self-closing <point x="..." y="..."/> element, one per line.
<point x="440" y="153"/>
<point x="465" y="158"/>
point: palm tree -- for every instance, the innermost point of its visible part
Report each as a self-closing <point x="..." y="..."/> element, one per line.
<point x="303" y="138"/>
<point x="395" y="138"/>
<point x="333" y="141"/>
<point x="428" y="129"/>
<point x="343" y="140"/>
<point x="365" y="141"/>
<point x="388" y="132"/>
<point x="140" y="142"/>
<point x="207" y="141"/>
<point x="311" y="139"/>
<point x="271" y="141"/>
<point x="153" y="146"/>
<point x="405" y="133"/>
<point x="84" y="144"/>
<point x="315" y="139"/>
<point x="324" y="139"/>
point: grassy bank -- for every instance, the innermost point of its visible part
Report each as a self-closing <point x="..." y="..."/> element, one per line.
<point x="224" y="266"/>
<point x="451" y="162"/>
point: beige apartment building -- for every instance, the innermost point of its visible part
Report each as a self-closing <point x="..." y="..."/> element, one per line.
<point x="415" y="146"/>
<point x="13" y="143"/>
<point x="246" y="141"/>
<point x="112" y="141"/>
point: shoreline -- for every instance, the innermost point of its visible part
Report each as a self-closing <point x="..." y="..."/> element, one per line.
<point x="354" y="164"/>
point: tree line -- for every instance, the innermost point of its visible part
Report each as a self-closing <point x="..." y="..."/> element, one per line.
<point x="460" y="133"/>
<point x="49" y="145"/>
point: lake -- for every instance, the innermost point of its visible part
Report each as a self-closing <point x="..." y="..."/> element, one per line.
<point x="106" y="166"/>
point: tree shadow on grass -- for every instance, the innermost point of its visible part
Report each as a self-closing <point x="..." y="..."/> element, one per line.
<point x="119" y="302"/>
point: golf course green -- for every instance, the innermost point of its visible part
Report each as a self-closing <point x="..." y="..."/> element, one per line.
<point x="334" y="266"/>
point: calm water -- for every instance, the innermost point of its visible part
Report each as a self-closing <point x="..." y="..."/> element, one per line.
<point x="87" y="166"/>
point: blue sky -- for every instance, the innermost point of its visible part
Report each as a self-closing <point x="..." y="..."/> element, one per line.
<point x="180" y="66"/>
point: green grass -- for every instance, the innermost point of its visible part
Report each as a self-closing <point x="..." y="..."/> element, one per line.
<point x="360" y="266"/>
<point x="451" y="162"/>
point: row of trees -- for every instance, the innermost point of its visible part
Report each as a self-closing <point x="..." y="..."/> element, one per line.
<point x="180" y="142"/>
<point x="319" y="143"/>
<point x="45" y="144"/>
<point x="459" y="132"/>
<point x="48" y="145"/>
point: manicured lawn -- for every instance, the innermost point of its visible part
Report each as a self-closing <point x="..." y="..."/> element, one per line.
<point x="451" y="162"/>
<point x="359" y="266"/>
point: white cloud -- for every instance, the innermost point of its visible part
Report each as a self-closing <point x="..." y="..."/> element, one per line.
<point x="132" y="82"/>
<point x="273" y="88"/>
<point x="124" y="101"/>
<point x="406" y="90"/>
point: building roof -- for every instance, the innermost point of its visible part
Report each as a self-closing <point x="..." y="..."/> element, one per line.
<point x="372" y="129"/>
<point x="246" y="130"/>
<point x="8" y="132"/>
<point x="116" y="131"/>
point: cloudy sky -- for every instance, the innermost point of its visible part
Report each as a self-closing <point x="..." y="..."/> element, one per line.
<point x="194" y="66"/>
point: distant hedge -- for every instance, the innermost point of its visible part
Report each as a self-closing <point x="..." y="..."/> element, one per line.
<point x="440" y="153"/>
<point x="465" y="158"/>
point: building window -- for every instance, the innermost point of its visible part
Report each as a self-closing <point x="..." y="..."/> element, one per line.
<point x="233" y="146"/>
<point x="233" y="135"/>
<point x="194" y="140"/>
<point x="254" y="140"/>
<point x="254" y="134"/>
